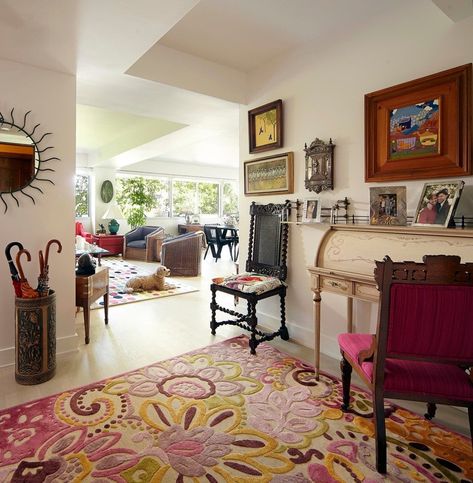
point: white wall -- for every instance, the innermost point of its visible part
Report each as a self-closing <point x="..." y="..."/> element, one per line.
<point x="51" y="98"/>
<point x="323" y="94"/>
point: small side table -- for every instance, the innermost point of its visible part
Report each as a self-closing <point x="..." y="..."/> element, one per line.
<point x="88" y="289"/>
<point x="112" y="243"/>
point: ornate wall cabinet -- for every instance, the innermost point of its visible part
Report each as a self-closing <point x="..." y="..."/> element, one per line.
<point x="319" y="165"/>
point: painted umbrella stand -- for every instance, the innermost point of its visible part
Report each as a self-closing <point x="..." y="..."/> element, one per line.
<point x="35" y="345"/>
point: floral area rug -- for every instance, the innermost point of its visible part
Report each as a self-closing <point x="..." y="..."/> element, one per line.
<point x="221" y="415"/>
<point x="121" y="270"/>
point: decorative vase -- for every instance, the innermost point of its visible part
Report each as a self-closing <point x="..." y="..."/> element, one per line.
<point x="113" y="227"/>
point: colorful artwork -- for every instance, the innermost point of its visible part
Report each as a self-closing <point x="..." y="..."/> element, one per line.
<point x="414" y="130"/>
<point x="265" y="128"/>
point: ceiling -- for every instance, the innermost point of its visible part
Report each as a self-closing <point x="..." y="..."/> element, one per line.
<point x="163" y="79"/>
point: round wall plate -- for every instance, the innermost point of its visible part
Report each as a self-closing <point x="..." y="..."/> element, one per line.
<point x="106" y="191"/>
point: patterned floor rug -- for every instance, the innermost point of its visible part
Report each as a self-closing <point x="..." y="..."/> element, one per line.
<point x="121" y="271"/>
<point x="221" y="415"/>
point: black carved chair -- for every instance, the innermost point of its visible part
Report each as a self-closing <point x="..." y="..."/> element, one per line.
<point x="265" y="276"/>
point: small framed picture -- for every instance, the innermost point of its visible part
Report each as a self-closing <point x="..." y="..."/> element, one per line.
<point x="265" y="127"/>
<point x="437" y="203"/>
<point x="312" y="211"/>
<point x="388" y="205"/>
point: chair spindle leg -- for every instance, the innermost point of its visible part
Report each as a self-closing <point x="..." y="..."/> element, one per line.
<point x="283" y="330"/>
<point x="346" y="370"/>
<point x="213" y="307"/>
<point x="380" y="431"/>
<point x="253" y="321"/>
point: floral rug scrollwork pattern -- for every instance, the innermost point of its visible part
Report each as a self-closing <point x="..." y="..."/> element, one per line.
<point x="219" y="414"/>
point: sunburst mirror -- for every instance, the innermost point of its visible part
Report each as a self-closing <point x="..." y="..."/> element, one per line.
<point x="22" y="159"/>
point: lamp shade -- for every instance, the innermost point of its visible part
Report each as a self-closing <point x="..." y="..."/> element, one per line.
<point x="113" y="212"/>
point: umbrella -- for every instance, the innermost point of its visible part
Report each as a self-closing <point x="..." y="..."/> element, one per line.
<point x="27" y="291"/>
<point x="14" y="272"/>
<point x="43" y="279"/>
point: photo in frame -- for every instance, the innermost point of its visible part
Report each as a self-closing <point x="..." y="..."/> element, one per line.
<point x="269" y="175"/>
<point x="265" y="127"/>
<point x="420" y="129"/>
<point x="312" y="211"/>
<point x="437" y="203"/>
<point x="388" y="205"/>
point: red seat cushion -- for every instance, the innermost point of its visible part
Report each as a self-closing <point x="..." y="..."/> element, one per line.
<point x="410" y="377"/>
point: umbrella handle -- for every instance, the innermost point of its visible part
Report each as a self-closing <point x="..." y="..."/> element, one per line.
<point x="48" y="245"/>
<point x="8" y="248"/>
<point x="41" y="263"/>
<point x="18" y="262"/>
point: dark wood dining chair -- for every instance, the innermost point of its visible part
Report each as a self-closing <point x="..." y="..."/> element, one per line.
<point x="423" y="347"/>
<point x="265" y="275"/>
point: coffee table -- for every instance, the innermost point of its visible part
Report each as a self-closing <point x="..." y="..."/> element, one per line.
<point x="93" y="250"/>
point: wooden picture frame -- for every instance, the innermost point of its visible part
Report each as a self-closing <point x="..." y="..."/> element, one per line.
<point x="428" y="212"/>
<point x="388" y="205"/>
<point x="271" y="175"/>
<point x="312" y="210"/>
<point x="420" y="129"/>
<point x="265" y="127"/>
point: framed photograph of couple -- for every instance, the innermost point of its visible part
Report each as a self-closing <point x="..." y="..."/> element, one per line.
<point x="420" y="129"/>
<point x="312" y="211"/>
<point x="437" y="203"/>
<point x="388" y="205"/>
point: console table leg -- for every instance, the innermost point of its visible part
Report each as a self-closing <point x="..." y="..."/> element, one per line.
<point x="350" y="315"/>
<point x="317" y="300"/>
<point x="86" y="322"/>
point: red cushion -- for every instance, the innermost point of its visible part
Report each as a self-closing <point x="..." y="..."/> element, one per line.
<point x="424" y="378"/>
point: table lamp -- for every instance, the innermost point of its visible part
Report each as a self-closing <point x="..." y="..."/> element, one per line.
<point x="113" y="212"/>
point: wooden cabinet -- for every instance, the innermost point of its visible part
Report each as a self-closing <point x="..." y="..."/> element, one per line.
<point x="181" y="229"/>
<point x="88" y="289"/>
<point x="112" y="243"/>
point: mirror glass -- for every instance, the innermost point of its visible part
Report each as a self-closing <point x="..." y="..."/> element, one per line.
<point x="17" y="159"/>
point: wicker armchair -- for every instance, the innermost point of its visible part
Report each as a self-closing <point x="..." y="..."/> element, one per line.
<point x="143" y="243"/>
<point x="183" y="254"/>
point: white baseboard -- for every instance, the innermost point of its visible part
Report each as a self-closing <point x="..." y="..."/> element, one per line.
<point x="63" y="345"/>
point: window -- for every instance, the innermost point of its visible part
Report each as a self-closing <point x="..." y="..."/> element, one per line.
<point x="165" y="196"/>
<point x="82" y="195"/>
<point x="195" y="197"/>
<point x="230" y="198"/>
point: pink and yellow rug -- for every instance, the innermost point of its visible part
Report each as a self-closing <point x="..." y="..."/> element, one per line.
<point x="121" y="270"/>
<point x="220" y="415"/>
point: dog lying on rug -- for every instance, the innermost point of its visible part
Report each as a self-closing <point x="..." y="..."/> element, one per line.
<point x="155" y="281"/>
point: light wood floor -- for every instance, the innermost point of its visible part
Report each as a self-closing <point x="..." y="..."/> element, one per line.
<point x="145" y="332"/>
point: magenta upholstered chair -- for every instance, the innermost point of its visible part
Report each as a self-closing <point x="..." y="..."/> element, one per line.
<point x="423" y="347"/>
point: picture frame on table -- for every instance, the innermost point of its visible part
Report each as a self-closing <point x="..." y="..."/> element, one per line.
<point x="388" y="205"/>
<point x="420" y="129"/>
<point x="312" y="210"/>
<point x="265" y="127"/>
<point x="270" y="175"/>
<point x="437" y="203"/>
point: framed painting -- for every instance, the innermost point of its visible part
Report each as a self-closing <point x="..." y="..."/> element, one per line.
<point x="437" y="203"/>
<point x="388" y="205"/>
<point x="312" y="211"/>
<point x="265" y="127"/>
<point x="420" y="129"/>
<point x="269" y="176"/>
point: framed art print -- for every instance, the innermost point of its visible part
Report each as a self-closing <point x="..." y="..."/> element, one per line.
<point x="270" y="175"/>
<point x="265" y="127"/>
<point x="437" y="203"/>
<point x="388" y="205"/>
<point x="420" y="129"/>
<point x="312" y="211"/>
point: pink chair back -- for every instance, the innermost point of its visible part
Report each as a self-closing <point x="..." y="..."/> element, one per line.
<point x="430" y="321"/>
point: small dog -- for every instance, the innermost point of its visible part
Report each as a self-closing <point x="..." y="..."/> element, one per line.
<point x="155" y="281"/>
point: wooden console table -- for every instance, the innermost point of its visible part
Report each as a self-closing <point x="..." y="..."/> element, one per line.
<point x="88" y="289"/>
<point x="344" y="263"/>
<point x="190" y="227"/>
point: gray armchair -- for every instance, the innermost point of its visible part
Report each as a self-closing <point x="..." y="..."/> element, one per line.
<point x="143" y="243"/>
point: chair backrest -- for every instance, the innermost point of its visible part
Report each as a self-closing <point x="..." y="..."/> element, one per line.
<point x="146" y="230"/>
<point x="426" y="310"/>
<point x="210" y="233"/>
<point x="79" y="228"/>
<point x="267" y="247"/>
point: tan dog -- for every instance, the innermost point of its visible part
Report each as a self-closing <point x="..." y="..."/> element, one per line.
<point x="155" y="281"/>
